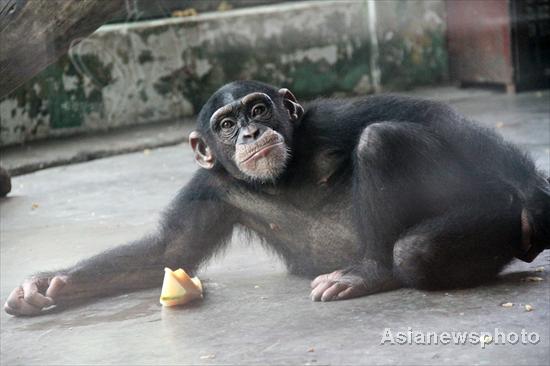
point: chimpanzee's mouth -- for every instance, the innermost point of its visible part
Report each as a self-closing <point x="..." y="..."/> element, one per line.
<point x="269" y="141"/>
<point x="264" y="151"/>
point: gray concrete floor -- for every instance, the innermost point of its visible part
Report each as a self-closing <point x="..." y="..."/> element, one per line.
<point x="253" y="312"/>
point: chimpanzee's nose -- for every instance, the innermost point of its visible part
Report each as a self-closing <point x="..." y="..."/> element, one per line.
<point x="248" y="134"/>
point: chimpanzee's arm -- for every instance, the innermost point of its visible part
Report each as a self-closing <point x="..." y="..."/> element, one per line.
<point x="196" y="224"/>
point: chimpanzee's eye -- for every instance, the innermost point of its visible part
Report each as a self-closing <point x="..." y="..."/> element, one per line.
<point x="227" y="124"/>
<point x="258" y="110"/>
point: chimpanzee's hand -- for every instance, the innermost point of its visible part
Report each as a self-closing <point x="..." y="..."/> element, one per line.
<point x="337" y="286"/>
<point x="33" y="295"/>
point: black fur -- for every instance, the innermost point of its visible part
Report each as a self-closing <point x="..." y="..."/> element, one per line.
<point x="388" y="188"/>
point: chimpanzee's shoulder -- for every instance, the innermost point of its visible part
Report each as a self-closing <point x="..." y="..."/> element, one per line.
<point x="353" y="114"/>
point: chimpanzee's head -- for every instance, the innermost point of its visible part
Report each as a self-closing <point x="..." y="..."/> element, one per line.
<point x="246" y="127"/>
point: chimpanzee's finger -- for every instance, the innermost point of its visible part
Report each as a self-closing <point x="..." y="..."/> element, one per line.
<point x="27" y="309"/>
<point x="318" y="280"/>
<point x="333" y="291"/>
<point x="348" y="293"/>
<point x="16" y="303"/>
<point x="9" y="310"/>
<point x="317" y="292"/>
<point x="56" y="284"/>
<point x="14" y="296"/>
<point x="33" y="297"/>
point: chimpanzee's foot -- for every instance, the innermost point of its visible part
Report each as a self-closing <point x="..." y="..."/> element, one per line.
<point x="338" y="285"/>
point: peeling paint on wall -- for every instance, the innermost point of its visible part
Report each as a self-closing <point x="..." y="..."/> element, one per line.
<point x="411" y="36"/>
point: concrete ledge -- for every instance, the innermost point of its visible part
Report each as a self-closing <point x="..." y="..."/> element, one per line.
<point x="154" y="71"/>
<point x="18" y="160"/>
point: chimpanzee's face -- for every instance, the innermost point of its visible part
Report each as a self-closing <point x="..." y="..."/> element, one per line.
<point x="247" y="127"/>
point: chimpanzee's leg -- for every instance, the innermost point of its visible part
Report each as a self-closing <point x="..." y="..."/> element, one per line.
<point x="407" y="178"/>
<point x="466" y="247"/>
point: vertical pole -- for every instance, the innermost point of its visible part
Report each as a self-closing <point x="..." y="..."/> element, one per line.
<point x="373" y="38"/>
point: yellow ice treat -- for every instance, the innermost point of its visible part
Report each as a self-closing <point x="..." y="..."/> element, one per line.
<point x="197" y="283"/>
<point x="178" y="288"/>
<point x="183" y="277"/>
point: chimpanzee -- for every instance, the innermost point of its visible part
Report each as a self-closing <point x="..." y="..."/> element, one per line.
<point x="365" y="195"/>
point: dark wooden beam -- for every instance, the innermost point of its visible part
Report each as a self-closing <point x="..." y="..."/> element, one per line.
<point x="35" y="33"/>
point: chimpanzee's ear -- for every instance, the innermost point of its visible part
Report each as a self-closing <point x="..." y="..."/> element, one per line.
<point x="203" y="154"/>
<point x="295" y="110"/>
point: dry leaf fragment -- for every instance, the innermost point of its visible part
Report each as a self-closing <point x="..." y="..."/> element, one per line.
<point x="190" y="12"/>
<point x="34" y="206"/>
<point x="533" y="279"/>
<point x="224" y="6"/>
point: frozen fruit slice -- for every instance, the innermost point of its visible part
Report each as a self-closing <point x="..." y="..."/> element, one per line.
<point x="172" y="290"/>
<point x="197" y="283"/>
<point x="184" y="279"/>
<point x="178" y="288"/>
